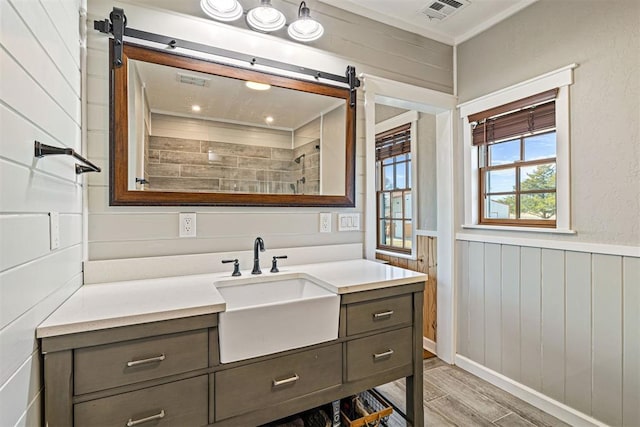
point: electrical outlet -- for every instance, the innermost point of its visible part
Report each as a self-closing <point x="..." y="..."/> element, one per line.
<point x="325" y="222"/>
<point x="54" y="230"/>
<point x="187" y="225"/>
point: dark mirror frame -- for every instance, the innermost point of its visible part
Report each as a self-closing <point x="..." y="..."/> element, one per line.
<point x="119" y="193"/>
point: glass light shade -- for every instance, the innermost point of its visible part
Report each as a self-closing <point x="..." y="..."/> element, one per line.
<point x="222" y="10"/>
<point x="265" y="17"/>
<point x="305" y="28"/>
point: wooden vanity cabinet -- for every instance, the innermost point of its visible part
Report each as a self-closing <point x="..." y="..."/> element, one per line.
<point x="148" y="374"/>
<point x="168" y="373"/>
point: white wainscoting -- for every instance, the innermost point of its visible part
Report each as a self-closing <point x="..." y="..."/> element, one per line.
<point x="39" y="100"/>
<point x="563" y="323"/>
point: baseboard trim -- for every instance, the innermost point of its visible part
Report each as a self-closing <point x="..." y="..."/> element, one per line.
<point x="529" y="395"/>
<point x="429" y="345"/>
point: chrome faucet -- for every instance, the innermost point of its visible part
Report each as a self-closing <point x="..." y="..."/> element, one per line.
<point x="258" y="244"/>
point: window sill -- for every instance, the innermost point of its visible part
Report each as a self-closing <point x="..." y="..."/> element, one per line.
<point x="396" y="254"/>
<point x="519" y="229"/>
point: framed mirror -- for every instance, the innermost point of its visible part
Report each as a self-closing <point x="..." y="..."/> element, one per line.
<point x="189" y="131"/>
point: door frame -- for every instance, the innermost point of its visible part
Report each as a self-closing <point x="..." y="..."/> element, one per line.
<point x="442" y="105"/>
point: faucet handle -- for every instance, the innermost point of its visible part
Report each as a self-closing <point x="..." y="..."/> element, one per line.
<point x="236" y="266"/>
<point x="274" y="263"/>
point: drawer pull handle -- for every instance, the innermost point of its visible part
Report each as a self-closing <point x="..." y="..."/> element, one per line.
<point x="144" y="361"/>
<point x="293" y="379"/>
<point x="382" y="314"/>
<point x="132" y="423"/>
<point x="387" y="353"/>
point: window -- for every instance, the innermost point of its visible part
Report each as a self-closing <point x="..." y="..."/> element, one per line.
<point x="516" y="156"/>
<point x="393" y="189"/>
<point x="517" y="162"/>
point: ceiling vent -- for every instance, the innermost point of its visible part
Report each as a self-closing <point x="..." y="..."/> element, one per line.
<point x="192" y="80"/>
<point x="441" y="9"/>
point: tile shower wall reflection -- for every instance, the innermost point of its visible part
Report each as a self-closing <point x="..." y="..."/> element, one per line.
<point x="175" y="164"/>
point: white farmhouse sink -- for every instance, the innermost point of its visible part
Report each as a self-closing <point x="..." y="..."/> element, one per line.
<point x="269" y="314"/>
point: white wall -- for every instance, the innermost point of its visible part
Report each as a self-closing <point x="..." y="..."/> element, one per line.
<point x="137" y="126"/>
<point x="559" y="314"/>
<point x="332" y="149"/>
<point x="209" y="130"/>
<point x="120" y="232"/>
<point x="603" y="38"/>
<point x="427" y="164"/>
<point x="307" y="133"/>
<point x="40" y="94"/>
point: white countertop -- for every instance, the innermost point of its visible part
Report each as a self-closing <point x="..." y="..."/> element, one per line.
<point x="114" y="304"/>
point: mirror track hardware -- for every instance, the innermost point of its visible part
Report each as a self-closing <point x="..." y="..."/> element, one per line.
<point x="42" y="150"/>
<point x="118" y="28"/>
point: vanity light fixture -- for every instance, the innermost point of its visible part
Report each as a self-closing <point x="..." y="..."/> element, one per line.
<point x="222" y="10"/>
<point x="265" y="17"/>
<point x="257" y="86"/>
<point x="305" y="28"/>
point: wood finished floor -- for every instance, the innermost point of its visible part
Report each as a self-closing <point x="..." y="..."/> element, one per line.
<point x="453" y="397"/>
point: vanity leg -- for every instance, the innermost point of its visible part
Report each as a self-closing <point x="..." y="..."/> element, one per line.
<point x="415" y="410"/>
<point x="58" y="379"/>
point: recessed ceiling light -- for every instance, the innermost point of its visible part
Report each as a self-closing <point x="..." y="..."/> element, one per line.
<point x="268" y="120"/>
<point x="257" y="86"/>
<point x="195" y="108"/>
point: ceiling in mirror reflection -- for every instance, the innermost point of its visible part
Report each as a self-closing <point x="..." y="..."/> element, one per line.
<point x="175" y="91"/>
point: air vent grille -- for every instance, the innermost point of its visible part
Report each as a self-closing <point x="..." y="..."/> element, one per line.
<point x="192" y="80"/>
<point x="452" y="3"/>
<point x="441" y="9"/>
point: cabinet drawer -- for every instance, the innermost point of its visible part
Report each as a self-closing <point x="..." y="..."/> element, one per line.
<point x="245" y="388"/>
<point x="111" y="365"/>
<point x="379" y="353"/>
<point x="182" y="403"/>
<point x="377" y="314"/>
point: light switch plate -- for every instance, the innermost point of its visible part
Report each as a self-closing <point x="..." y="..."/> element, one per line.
<point x="54" y="230"/>
<point x="349" y="222"/>
<point x="325" y="222"/>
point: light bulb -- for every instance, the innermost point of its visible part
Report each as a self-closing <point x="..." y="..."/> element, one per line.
<point x="305" y="28"/>
<point x="222" y="10"/>
<point x="265" y="17"/>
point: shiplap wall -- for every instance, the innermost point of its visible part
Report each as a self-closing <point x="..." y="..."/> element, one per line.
<point x="561" y="322"/>
<point x="40" y="93"/>
<point x="121" y="232"/>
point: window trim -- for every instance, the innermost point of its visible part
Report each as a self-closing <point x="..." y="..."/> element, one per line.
<point x="386" y="125"/>
<point x="561" y="78"/>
